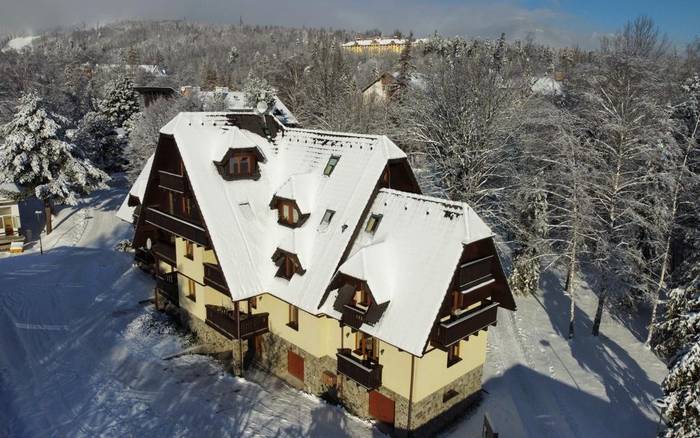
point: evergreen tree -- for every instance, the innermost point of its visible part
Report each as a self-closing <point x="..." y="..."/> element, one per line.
<point x="120" y="102"/>
<point x="678" y="341"/>
<point x="209" y="77"/>
<point x="258" y="90"/>
<point x="406" y="68"/>
<point x="35" y="157"/>
<point x="100" y="143"/>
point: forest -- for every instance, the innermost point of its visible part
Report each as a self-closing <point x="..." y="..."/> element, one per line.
<point x="594" y="175"/>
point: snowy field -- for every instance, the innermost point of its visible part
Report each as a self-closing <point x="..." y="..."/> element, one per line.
<point x="83" y="354"/>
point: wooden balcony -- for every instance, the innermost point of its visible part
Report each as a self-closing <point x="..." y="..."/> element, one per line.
<point x="173" y="224"/>
<point x="165" y="252"/>
<point x="224" y="321"/>
<point x="353" y="316"/>
<point x="166" y="285"/>
<point x="171" y="181"/>
<point x="466" y="324"/>
<point x="143" y="257"/>
<point x="365" y="373"/>
<point x="214" y="277"/>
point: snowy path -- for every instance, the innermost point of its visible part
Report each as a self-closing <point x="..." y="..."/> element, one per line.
<point x="541" y="385"/>
<point x="80" y="357"/>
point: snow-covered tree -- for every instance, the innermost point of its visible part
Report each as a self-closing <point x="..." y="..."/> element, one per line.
<point x="101" y="144"/>
<point x="35" y="156"/>
<point x="256" y="90"/>
<point x="120" y="101"/>
<point x="677" y="340"/>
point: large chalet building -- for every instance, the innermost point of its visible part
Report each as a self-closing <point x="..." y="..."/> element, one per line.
<point x="314" y="255"/>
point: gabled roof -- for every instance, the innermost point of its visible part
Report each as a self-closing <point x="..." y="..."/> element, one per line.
<point x="125" y="212"/>
<point x="410" y="259"/>
<point x="245" y="242"/>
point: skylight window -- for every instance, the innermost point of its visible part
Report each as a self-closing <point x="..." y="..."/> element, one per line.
<point x="327" y="216"/>
<point x="373" y="223"/>
<point x="332" y="162"/>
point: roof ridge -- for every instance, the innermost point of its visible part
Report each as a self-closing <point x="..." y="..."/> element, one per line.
<point x="427" y="198"/>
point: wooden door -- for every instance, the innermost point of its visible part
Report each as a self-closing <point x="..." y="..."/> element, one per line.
<point x="9" y="231"/>
<point x="381" y="407"/>
<point x="295" y="365"/>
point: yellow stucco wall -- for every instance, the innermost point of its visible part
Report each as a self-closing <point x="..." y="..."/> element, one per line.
<point x="321" y="336"/>
<point x="432" y="373"/>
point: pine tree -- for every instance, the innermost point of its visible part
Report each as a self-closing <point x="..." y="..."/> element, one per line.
<point x="120" y="102"/>
<point x="209" y="77"/>
<point x="678" y="341"/>
<point x="100" y="143"/>
<point x="35" y="157"/>
<point x="406" y="67"/>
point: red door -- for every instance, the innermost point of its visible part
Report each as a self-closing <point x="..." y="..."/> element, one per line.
<point x="381" y="407"/>
<point x="295" y="365"/>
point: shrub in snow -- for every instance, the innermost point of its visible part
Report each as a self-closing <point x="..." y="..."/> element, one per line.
<point x="35" y="156"/>
<point x="120" y="102"/>
<point x="100" y="142"/>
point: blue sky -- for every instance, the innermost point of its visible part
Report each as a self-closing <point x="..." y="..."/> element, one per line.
<point x="554" y="22"/>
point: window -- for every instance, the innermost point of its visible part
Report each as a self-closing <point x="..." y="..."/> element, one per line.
<point x="332" y="162"/>
<point x="327" y="216"/>
<point x="186" y="204"/>
<point x="386" y="177"/>
<point x="288" y="213"/>
<point x="453" y="354"/>
<point x="189" y="250"/>
<point x="449" y="395"/>
<point x="373" y="223"/>
<point x="241" y="165"/>
<point x="366" y="346"/>
<point x="293" y="317"/>
<point x="361" y="298"/>
<point x="253" y="303"/>
<point x="191" y="290"/>
<point x="171" y="203"/>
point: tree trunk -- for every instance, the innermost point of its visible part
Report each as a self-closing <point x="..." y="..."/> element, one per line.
<point x="570" y="290"/>
<point x="659" y="287"/>
<point x="599" y="310"/>
<point x="47" y="214"/>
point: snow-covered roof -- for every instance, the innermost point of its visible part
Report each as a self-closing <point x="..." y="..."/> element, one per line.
<point x="8" y="188"/>
<point x="125" y="212"/>
<point x="409" y="261"/>
<point x="376" y="42"/>
<point x="244" y="229"/>
<point x="235" y="101"/>
<point x="20" y="43"/>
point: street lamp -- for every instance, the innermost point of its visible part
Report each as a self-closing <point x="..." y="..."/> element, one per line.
<point x="38" y="214"/>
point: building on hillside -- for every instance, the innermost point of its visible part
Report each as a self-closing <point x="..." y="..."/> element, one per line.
<point x="375" y="45"/>
<point x="234" y="101"/>
<point x="313" y="255"/>
<point x="10" y="225"/>
<point x="382" y="88"/>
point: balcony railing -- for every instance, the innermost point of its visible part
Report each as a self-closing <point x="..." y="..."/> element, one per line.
<point x="465" y="324"/>
<point x="193" y="232"/>
<point x="143" y="257"/>
<point x="353" y="316"/>
<point x="171" y="181"/>
<point x="214" y="277"/>
<point x="166" y="284"/>
<point x="165" y="252"/>
<point x="367" y="374"/>
<point x="224" y="321"/>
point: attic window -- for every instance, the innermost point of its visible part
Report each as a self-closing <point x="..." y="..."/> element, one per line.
<point x="288" y="213"/>
<point x="241" y="166"/>
<point x="327" y="216"/>
<point x="332" y="162"/>
<point x="288" y="264"/>
<point x="373" y="223"/>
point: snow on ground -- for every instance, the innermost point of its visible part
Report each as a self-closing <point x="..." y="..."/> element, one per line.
<point x="81" y="355"/>
<point x="539" y="384"/>
<point x="20" y="42"/>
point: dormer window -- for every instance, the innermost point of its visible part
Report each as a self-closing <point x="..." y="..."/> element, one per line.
<point x="288" y="212"/>
<point x="240" y="164"/>
<point x="287" y="263"/>
<point x="361" y="299"/>
<point x="373" y="223"/>
<point x="330" y="166"/>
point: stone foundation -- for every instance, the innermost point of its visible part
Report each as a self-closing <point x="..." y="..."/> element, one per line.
<point x="428" y="416"/>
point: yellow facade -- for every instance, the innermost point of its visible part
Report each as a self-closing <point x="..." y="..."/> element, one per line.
<point x="374" y="48"/>
<point x="322" y="336"/>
